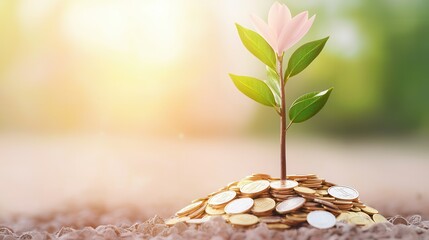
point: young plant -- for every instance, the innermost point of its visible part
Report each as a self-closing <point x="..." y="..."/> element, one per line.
<point x="268" y="44"/>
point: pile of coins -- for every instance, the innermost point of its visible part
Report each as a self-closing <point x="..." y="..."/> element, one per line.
<point x="298" y="201"/>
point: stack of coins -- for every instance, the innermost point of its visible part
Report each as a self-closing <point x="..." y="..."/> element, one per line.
<point x="308" y="180"/>
<point x="281" y="190"/>
<point x="298" y="201"/>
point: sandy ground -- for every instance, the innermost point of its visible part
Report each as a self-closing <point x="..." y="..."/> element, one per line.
<point x="49" y="182"/>
<point x="121" y="224"/>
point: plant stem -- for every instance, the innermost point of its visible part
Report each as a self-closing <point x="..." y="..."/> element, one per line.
<point x="282" y="120"/>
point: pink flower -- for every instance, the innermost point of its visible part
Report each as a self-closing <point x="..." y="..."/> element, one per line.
<point x="283" y="31"/>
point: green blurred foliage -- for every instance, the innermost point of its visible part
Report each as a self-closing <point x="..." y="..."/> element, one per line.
<point x="382" y="88"/>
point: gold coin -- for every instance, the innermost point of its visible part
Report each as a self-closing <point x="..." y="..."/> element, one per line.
<point x="240" y="205"/>
<point x="295" y="218"/>
<point x="364" y="215"/>
<point x="253" y="178"/>
<point x="270" y="219"/>
<point x="278" y="226"/>
<point x="198" y="199"/>
<point x="289" y="222"/>
<point x="310" y="185"/>
<point x="173" y="221"/>
<point x="332" y="209"/>
<point x="326" y="203"/>
<point x="234" y="188"/>
<point x="222" y="198"/>
<point x="343" y="192"/>
<point x="190" y="208"/>
<point x="314" y="208"/>
<point x="329" y="184"/>
<point x="355" y="209"/>
<point x="284" y="197"/>
<point x="299" y="214"/>
<point x="304" y="176"/>
<point x="343" y="217"/>
<point x="369" y="210"/>
<point x="283" y="185"/>
<point x="358" y="220"/>
<point x="243" y="182"/>
<point x="378" y="218"/>
<point x="261" y="175"/>
<point x="343" y="202"/>
<point x="329" y="199"/>
<point x="244" y="219"/>
<point x="352" y="214"/>
<point x="198" y="212"/>
<point x="344" y="207"/>
<point x="264" y="214"/>
<point x="322" y="192"/>
<point x="213" y="211"/>
<point x="265" y="195"/>
<point x="231" y="184"/>
<point x="311" y="204"/>
<point x="290" y="204"/>
<point x="313" y="181"/>
<point x="304" y="190"/>
<point x="255" y="187"/>
<point x="299" y="179"/>
<point x="263" y="205"/>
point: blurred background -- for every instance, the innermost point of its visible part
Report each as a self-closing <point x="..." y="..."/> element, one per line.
<point x="128" y="103"/>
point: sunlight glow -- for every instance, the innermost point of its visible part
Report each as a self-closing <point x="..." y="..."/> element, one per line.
<point x="148" y="28"/>
<point x="159" y="34"/>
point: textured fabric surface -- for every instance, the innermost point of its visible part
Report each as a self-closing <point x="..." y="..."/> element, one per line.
<point x="125" y="224"/>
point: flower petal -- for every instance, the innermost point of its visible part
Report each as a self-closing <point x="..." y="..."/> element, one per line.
<point x="302" y="32"/>
<point x="278" y="16"/>
<point x="286" y="12"/>
<point x="290" y="32"/>
<point x="263" y="29"/>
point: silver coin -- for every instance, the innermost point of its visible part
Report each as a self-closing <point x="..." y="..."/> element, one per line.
<point x="240" y="205"/>
<point x="321" y="219"/>
<point x="343" y="192"/>
<point x="290" y="204"/>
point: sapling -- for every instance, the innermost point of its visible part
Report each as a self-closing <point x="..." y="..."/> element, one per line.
<point x="269" y="44"/>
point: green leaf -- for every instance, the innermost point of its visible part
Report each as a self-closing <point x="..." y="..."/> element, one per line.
<point x="254" y="89"/>
<point x="273" y="82"/>
<point x="303" y="56"/>
<point x="257" y="45"/>
<point x="306" y="106"/>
